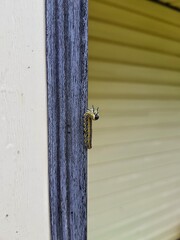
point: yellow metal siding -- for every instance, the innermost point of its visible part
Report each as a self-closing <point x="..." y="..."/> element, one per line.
<point x="174" y="3"/>
<point x="134" y="77"/>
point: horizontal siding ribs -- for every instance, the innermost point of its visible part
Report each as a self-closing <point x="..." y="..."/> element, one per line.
<point x="147" y="9"/>
<point x="104" y="12"/>
<point x="139" y="63"/>
<point x="152" y="216"/>
<point x="128" y="181"/>
<point x="133" y="28"/>
<point x="114" y="90"/>
<point x="101" y="204"/>
<point x="119" y="54"/>
<point x="129" y="210"/>
<point x="125" y="166"/>
<point x="122" y="35"/>
<point x="115" y="72"/>
<point x="132" y="136"/>
<point x="134" y="78"/>
<point x="134" y="44"/>
<point x="119" y="158"/>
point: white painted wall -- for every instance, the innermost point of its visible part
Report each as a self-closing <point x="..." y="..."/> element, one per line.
<point x="24" y="207"/>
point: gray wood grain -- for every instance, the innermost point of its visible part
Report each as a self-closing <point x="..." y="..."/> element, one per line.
<point x="66" y="44"/>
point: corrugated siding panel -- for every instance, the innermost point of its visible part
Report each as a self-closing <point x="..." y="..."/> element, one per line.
<point x="174" y="3"/>
<point x="134" y="77"/>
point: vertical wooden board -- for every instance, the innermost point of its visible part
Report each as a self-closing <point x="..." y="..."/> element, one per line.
<point x="67" y="103"/>
<point x="24" y="200"/>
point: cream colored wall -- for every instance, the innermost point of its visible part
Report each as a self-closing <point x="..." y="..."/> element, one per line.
<point x="134" y="78"/>
<point x="24" y="207"/>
